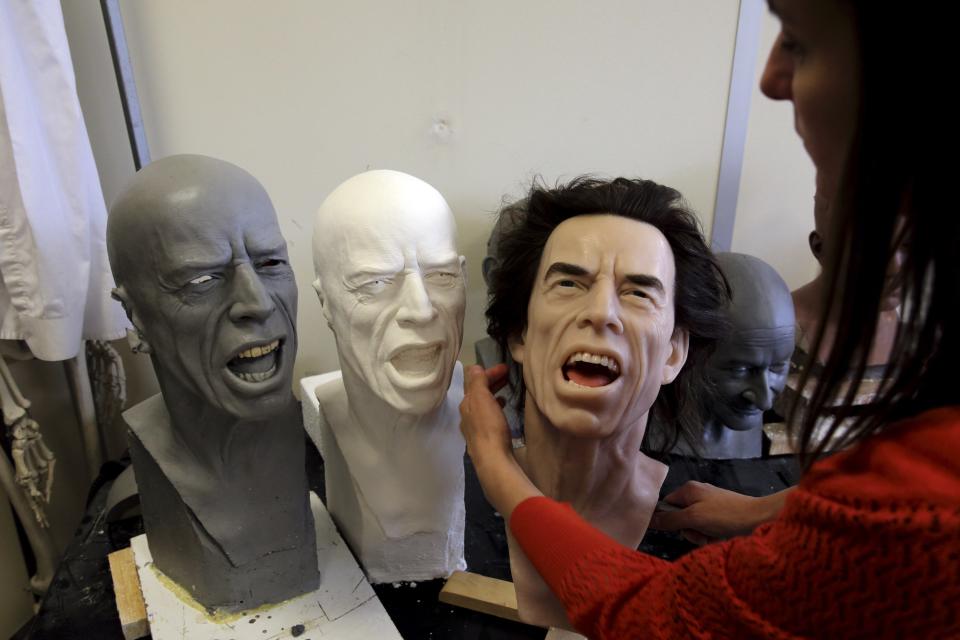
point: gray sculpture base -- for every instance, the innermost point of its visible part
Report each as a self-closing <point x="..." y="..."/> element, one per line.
<point x="277" y="536"/>
<point x="345" y="605"/>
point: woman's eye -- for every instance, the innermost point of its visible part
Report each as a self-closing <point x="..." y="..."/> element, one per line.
<point x="567" y="283"/>
<point x="639" y="293"/>
<point x="202" y="279"/>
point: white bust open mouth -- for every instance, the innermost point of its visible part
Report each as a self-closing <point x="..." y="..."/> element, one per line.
<point x="418" y="360"/>
<point x="590" y="370"/>
<point x="257" y="362"/>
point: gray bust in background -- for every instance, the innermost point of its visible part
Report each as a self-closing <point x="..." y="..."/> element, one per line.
<point x="749" y="368"/>
<point x="203" y="274"/>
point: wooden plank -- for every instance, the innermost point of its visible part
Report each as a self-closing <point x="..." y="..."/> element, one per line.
<point x="480" y="593"/>
<point x="126" y="586"/>
<point x="563" y="634"/>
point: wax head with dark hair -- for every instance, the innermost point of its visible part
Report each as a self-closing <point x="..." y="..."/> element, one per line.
<point x="861" y="108"/>
<point x="700" y="290"/>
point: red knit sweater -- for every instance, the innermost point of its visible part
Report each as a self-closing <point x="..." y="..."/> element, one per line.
<point x="867" y="546"/>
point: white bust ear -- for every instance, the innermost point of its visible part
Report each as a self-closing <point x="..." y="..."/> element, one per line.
<point x="679" y="346"/>
<point x="463" y="269"/>
<point x="135" y="337"/>
<point x="318" y="287"/>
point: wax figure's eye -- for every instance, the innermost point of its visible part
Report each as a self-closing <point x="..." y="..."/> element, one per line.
<point x="738" y="370"/>
<point x="204" y="279"/>
<point x="270" y="262"/>
<point x="639" y="293"/>
<point x="373" y="287"/>
<point x="779" y="368"/>
<point x="441" y="278"/>
<point x="567" y="283"/>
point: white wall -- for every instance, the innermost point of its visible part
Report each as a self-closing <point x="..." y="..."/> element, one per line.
<point x="775" y="204"/>
<point x="475" y="98"/>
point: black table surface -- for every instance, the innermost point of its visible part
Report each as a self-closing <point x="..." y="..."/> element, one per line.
<point x="80" y="602"/>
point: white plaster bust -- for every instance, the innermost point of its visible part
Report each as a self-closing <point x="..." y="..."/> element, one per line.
<point x="392" y="287"/>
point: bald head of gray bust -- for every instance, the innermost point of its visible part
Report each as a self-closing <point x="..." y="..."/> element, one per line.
<point x="749" y="367"/>
<point x="203" y="273"/>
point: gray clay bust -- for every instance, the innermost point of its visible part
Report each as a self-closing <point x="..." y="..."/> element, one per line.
<point x="750" y="366"/>
<point x="202" y="271"/>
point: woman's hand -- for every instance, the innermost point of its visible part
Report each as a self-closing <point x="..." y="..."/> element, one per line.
<point x="710" y="513"/>
<point x="487" y="434"/>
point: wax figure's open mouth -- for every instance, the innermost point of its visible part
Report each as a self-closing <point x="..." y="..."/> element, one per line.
<point x="590" y="369"/>
<point x="256" y="363"/>
<point x="418" y="360"/>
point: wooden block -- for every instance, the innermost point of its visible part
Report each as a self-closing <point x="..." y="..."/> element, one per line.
<point x="480" y="593"/>
<point x="126" y="586"/>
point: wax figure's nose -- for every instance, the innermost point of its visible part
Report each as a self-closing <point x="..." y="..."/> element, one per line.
<point x="760" y="393"/>
<point x="251" y="300"/>
<point x="602" y="308"/>
<point x="415" y="304"/>
<point x="777" y="80"/>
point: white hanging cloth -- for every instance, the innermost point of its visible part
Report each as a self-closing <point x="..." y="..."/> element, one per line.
<point x="56" y="281"/>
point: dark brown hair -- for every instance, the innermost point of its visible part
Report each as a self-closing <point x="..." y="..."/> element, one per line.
<point x="700" y="293"/>
<point x="893" y="196"/>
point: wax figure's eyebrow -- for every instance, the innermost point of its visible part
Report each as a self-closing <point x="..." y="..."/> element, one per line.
<point x="190" y="268"/>
<point x="643" y="280"/>
<point x="565" y="268"/>
<point x="268" y="250"/>
<point x="452" y="263"/>
<point x="639" y="279"/>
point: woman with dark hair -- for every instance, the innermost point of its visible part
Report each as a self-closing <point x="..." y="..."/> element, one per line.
<point x="868" y="545"/>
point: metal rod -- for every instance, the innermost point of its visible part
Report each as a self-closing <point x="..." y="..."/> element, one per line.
<point x="735" y="126"/>
<point x="117" y="39"/>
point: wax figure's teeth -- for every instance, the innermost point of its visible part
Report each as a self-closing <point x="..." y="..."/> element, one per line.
<point x="256" y="364"/>
<point x="592" y="358"/>
<point x="256" y="352"/>
<point x="256" y="376"/>
<point x="417" y="360"/>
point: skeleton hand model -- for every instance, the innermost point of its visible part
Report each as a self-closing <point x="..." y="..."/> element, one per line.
<point x="32" y="460"/>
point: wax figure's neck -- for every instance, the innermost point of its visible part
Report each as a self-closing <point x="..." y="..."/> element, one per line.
<point x="808" y="303"/>
<point x="378" y="421"/>
<point x="590" y="473"/>
<point x="211" y="434"/>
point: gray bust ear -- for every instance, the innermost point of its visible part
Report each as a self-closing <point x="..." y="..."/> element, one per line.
<point x="138" y="342"/>
<point x="318" y="287"/>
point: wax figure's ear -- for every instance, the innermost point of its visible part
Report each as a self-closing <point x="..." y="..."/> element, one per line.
<point x="318" y="287"/>
<point x="816" y="245"/>
<point x="516" y="347"/>
<point x="486" y="268"/>
<point x="138" y="342"/>
<point x="679" y="345"/>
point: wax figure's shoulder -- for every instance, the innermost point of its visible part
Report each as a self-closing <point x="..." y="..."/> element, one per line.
<point x="149" y="421"/>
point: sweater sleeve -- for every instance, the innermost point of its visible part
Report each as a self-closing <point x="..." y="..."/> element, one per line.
<point x="612" y="591"/>
<point x="849" y="564"/>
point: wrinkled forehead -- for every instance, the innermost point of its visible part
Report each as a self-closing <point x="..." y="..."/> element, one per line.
<point x="212" y="223"/>
<point x="776" y="342"/>
<point x="605" y="241"/>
